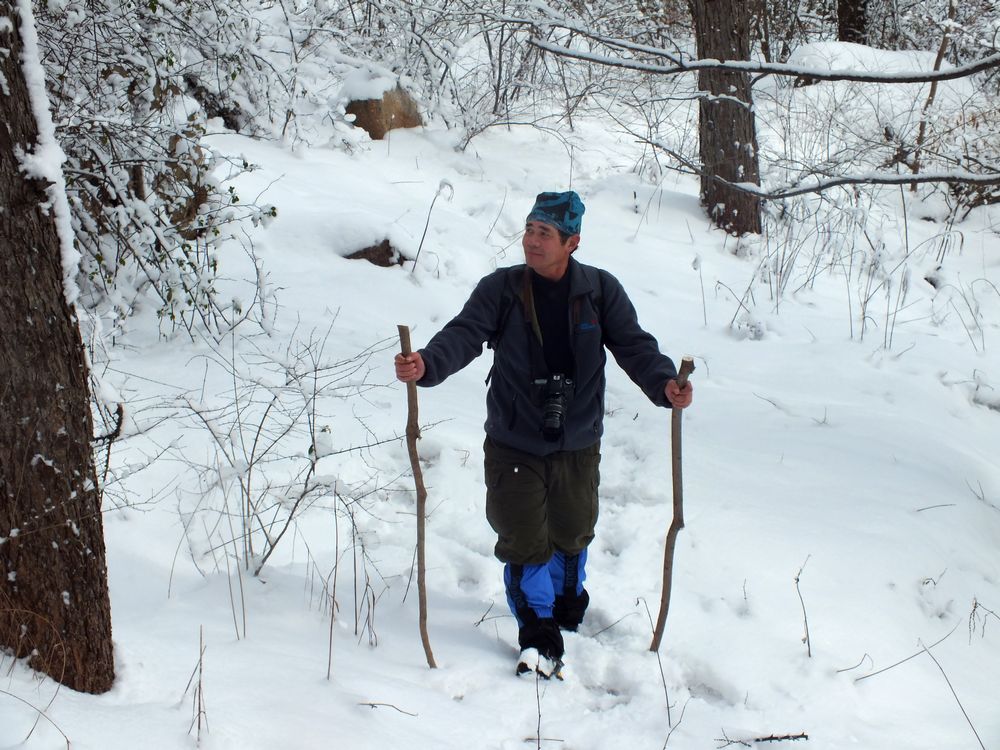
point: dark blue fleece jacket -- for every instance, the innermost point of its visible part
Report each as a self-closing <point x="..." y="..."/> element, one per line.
<point x="599" y="315"/>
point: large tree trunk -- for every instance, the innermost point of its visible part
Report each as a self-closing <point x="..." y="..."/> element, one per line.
<point x="726" y="128"/>
<point x="54" y="605"/>
<point x="852" y="21"/>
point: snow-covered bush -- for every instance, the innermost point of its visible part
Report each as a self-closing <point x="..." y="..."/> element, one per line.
<point x="973" y="140"/>
<point x="149" y="206"/>
<point x="470" y="62"/>
<point x="136" y="86"/>
<point x="839" y="127"/>
<point x="972" y="26"/>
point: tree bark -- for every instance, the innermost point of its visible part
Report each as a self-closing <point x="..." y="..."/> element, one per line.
<point x="54" y="604"/>
<point x="852" y="21"/>
<point x="726" y="127"/>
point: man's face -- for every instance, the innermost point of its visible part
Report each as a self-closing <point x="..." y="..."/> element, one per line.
<point x="545" y="252"/>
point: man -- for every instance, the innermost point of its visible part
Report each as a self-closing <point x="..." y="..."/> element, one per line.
<point x="548" y="322"/>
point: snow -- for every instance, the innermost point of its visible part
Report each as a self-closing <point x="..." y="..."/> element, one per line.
<point x="367" y="83"/>
<point x="45" y="160"/>
<point x="813" y="451"/>
<point x="861" y="62"/>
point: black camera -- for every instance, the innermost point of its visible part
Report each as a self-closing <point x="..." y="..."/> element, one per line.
<point x="556" y="392"/>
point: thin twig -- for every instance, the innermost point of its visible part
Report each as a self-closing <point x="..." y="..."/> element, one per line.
<point x="679" y="720"/>
<point x="782" y="737"/>
<point x="441" y="186"/>
<point x="623" y="617"/>
<point x="40" y="713"/>
<point x="851" y="669"/>
<point x="333" y="592"/>
<point x="484" y="617"/>
<point x="805" y="617"/>
<point x="952" y="688"/>
<point x="538" y="709"/>
<point x="386" y="705"/>
<point x="726" y="741"/>
<point x="911" y="656"/>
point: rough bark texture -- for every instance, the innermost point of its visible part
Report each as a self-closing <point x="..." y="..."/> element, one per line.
<point x="726" y="128"/>
<point x="54" y="605"/>
<point x="852" y="21"/>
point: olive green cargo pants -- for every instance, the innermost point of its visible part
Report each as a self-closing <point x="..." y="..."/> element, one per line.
<point x="539" y="504"/>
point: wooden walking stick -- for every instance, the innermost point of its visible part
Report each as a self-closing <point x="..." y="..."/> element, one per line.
<point x="687" y="367"/>
<point x="412" y="433"/>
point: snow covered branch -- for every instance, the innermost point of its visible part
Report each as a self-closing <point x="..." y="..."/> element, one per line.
<point x="819" y="184"/>
<point x="678" y="64"/>
<point x="873" y="178"/>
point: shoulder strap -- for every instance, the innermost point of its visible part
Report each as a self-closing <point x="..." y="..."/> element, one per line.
<point x="507" y="301"/>
<point x="507" y="298"/>
<point x="599" y="297"/>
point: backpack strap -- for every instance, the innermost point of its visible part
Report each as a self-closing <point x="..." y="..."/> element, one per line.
<point x="507" y="301"/>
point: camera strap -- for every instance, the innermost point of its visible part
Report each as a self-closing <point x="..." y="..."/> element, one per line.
<point x="528" y="302"/>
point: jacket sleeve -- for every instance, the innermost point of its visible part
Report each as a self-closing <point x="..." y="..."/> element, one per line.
<point x="634" y="349"/>
<point x="462" y="339"/>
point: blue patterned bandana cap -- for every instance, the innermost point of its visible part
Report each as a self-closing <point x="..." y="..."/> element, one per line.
<point x="564" y="211"/>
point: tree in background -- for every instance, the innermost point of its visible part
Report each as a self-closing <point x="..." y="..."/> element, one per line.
<point x="852" y="21"/>
<point x="54" y="605"/>
<point x="726" y="128"/>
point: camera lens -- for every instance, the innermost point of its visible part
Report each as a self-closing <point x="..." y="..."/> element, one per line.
<point x="554" y="408"/>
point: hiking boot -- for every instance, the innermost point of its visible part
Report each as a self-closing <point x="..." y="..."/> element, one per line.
<point x="568" y="610"/>
<point x="530" y="660"/>
<point x="542" y="634"/>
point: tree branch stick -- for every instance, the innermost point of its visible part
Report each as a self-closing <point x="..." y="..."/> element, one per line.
<point x="412" y="433"/>
<point x="687" y="367"/>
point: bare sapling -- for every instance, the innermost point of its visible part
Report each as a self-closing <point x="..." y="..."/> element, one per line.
<point x="269" y="431"/>
<point x="677" y="523"/>
<point x="412" y="434"/>
<point x="978" y="618"/>
<point x="805" y="617"/>
<point x="199" y="713"/>
<point x="932" y="93"/>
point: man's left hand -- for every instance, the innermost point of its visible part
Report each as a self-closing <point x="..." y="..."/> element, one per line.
<point x="679" y="398"/>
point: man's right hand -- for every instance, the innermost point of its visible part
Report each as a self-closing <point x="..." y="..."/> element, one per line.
<point x="409" y="367"/>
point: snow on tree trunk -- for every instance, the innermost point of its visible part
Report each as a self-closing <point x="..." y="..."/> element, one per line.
<point x="54" y="605"/>
<point x="726" y="128"/>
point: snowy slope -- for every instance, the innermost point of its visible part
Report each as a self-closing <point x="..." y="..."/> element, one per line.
<point x="869" y="473"/>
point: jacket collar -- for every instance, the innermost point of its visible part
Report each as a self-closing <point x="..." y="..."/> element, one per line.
<point x="579" y="284"/>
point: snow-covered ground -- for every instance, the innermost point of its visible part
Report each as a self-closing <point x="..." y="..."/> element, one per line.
<point x="831" y="483"/>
